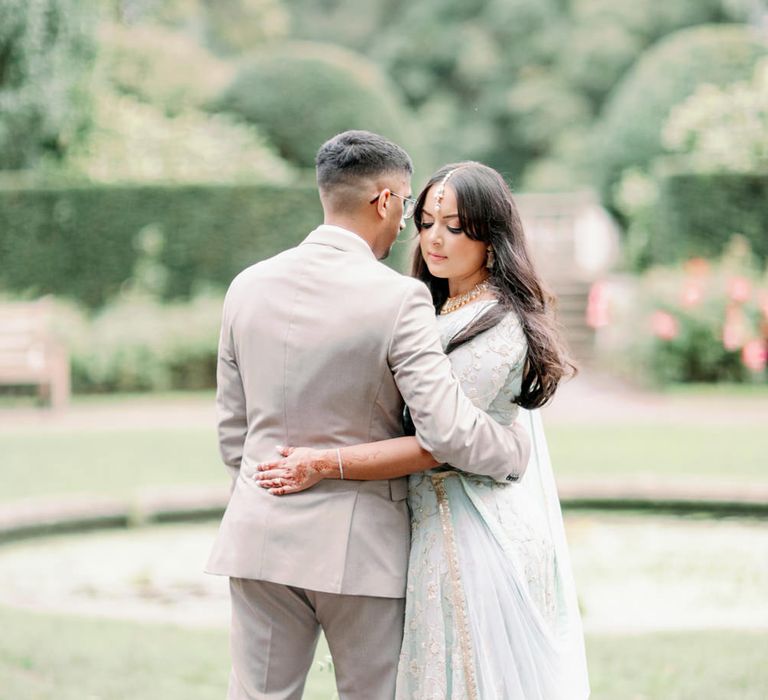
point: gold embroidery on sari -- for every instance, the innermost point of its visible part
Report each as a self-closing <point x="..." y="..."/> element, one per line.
<point x="457" y="591"/>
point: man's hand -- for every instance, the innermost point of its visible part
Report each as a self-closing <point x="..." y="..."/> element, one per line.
<point x="299" y="469"/>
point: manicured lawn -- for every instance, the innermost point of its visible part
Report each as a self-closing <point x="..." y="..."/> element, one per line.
<point x="724" y="389"/>
<point x="45" y="657"/>
<point x="119" y="463"/>
<point x="113" y="463"/>
<point x="673" y="451"/>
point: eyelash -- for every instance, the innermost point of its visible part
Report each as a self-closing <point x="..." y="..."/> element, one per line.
<point x="430" y="224"/>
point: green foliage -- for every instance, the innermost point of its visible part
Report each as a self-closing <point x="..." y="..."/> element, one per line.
<point x="132" y="141"/>
<point x="350" y="23"/>
<point x="605" y="37"/>
<point x="136" y="343"/>
<point x="478" y="75"/>
<point x="637" y="196"/>
<point x="84" y="242"/>
<point x="723" y="129"/>
<point x="300" y="95"/>
<point x="514" y="83"/>
<point x="713" y="185"/>
<point x="46" y="52"/>
<point x="164" y="67"/>
<point x="148" y="120"/>
<point x="697" y="213"/>
<point x="700" y="322"/>
<point x="239" y="25"/>
<point x="629" y="133"/>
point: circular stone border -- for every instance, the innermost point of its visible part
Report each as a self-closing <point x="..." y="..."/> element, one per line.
<point x="36" y="517"/>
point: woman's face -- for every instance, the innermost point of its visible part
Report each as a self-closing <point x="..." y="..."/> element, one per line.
<point x="448" y="252"/>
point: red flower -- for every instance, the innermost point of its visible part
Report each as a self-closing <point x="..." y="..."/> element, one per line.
<point x="692" y="293"/>
<point x="754" y="355"/>
<point x="697" y="267"/>
<point x="739" y="289"/>
<point x="735" y="328"/>
<point x="664" y="325"/>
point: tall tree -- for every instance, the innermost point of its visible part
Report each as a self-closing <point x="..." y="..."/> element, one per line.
<point x="46" y="52"/>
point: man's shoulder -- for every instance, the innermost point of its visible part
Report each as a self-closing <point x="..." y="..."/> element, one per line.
<point x="412" y="287"/>
<point x="262" y="268"/>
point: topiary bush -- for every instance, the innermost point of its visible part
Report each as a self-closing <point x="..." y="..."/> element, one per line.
<point x="629" y="133"/>
<point x="302" y="94"/>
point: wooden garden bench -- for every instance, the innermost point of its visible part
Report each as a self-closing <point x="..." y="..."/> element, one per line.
<point x="29" y="353"/>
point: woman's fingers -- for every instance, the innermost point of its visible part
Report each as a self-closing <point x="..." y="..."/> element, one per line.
<point x="268" y="474"/>
<point x="264" y="466"/>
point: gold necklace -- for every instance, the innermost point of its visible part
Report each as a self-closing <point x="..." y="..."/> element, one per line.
<point x="454" y="303"/>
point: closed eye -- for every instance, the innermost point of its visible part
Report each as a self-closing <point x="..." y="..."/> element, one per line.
<point x="455" y="230"/>
<point x="426" y="224"/>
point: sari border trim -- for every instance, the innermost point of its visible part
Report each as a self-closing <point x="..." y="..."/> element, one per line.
<point x="457" y="590"/>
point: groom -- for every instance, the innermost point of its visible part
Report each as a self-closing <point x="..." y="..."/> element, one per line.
<point x="319" y="346"/>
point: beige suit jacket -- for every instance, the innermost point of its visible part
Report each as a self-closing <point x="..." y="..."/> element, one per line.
<point x="319" y="346"/>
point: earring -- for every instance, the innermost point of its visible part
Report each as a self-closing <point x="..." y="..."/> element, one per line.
<point x="491" y="259"/>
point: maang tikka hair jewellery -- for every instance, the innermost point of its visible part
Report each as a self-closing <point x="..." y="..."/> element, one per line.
<point x="440" y="193"/>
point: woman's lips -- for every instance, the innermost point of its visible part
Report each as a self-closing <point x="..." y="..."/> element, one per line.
<point x="436" y="257"/>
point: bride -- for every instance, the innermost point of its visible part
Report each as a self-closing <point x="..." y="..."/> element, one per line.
<point x="491" y="608"/>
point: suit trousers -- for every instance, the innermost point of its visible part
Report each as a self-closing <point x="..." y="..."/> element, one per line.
<point x="274" y="633"/>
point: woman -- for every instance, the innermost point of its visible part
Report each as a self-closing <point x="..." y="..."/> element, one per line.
<point x="491" y="608"/>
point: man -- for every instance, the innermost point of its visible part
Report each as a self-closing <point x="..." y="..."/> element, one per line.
<point x="319" y="346"/>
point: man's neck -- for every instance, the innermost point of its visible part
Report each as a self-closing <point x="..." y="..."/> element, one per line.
<point x="352" y="225"/>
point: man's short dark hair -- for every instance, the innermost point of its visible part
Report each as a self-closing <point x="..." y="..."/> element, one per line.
<point x="354" y="155"/>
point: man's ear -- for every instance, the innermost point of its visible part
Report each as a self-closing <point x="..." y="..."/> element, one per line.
<point x="384" y="200"/>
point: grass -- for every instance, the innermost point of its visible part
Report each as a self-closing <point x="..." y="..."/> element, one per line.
<point x="721" y="452"/>
<point x="43" y="657"/>
<point x="110" y="463"/>
<point x="724" y="389"/>
<point x="122" y="462"/>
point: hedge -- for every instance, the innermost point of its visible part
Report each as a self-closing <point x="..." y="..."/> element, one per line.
<point x="698" y="214"/>
<point x="82" y="242"/>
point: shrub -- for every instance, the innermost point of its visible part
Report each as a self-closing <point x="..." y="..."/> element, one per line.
<point x="629" y="133"/>
<point x="723" y="129"/>
<point x="302" y="94"/>
<point x="136" y="142"/>
<point x="703" y="321"/>
<point x="136" y="343"/>
<point x="160" y="66"/>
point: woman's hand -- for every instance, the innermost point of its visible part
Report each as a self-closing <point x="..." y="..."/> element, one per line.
<point x="299" y="469"/>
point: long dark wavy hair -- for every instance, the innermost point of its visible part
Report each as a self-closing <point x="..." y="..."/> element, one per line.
<point x="488" y="213"/>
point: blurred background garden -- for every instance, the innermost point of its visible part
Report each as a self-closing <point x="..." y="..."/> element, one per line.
<point x="151" y="149"/>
